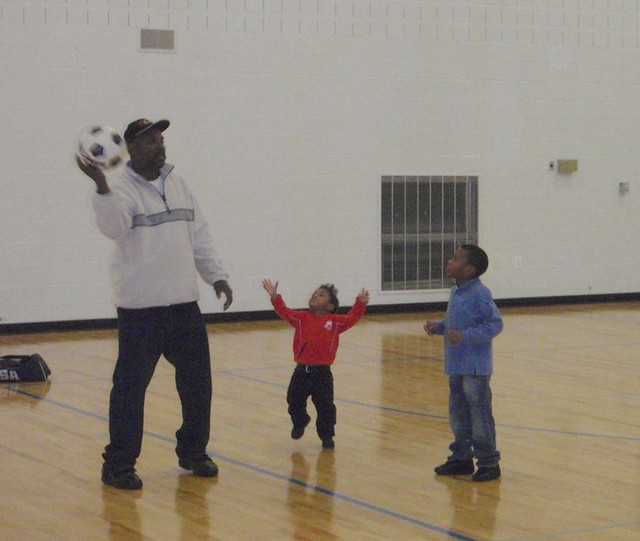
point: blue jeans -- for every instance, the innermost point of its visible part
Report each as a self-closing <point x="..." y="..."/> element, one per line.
<point x="472" y="421"/>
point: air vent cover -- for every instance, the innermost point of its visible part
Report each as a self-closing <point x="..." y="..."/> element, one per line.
<point x="157" y="40"/>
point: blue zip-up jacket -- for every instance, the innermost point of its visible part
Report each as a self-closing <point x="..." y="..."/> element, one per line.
<point x="471" y="308"/>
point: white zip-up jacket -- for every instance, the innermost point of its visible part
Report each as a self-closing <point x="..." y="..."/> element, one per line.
<point x="162" y="241"/>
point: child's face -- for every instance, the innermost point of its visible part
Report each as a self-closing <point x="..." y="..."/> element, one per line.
<point x="320" y="301"/>
<point x="458" y="268"/>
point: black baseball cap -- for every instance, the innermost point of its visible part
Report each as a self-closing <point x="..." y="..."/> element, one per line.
<point x="143" y="125"/>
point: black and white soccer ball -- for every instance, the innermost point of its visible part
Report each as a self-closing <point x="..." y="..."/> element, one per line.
<point x="101" y="146"/>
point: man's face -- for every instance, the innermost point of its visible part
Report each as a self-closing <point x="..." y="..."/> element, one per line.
<point x="147" y="151"/>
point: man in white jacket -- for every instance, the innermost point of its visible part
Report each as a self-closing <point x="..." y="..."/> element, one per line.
<point x="162" y="244"/>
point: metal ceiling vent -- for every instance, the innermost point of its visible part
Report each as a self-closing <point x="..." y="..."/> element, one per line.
<point x="157" y="40"/>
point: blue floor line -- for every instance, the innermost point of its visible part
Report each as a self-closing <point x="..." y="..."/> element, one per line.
<point x="574" y="532"/>
<point x="361" y="503"/>
<point x="444" y="417"/>
<point x="329" y="493"/>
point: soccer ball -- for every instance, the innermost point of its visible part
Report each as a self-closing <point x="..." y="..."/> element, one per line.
<point x="101" y="146"/>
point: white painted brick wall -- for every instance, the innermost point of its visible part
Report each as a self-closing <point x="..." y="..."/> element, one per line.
<point x="286" y="113"/>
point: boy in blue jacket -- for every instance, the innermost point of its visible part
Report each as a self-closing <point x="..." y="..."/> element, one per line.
<point x="470" y="324"/>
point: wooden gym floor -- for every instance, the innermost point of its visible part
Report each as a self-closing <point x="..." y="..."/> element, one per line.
<point x="566" y="403"/>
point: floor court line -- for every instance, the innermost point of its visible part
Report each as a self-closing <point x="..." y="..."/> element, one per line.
<point x="443" y="417"/>
<point x="275" y="475"/>
<point x="575" y="532"/>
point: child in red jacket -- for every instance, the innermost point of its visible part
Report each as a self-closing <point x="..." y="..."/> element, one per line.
<point x="315" y="343"/>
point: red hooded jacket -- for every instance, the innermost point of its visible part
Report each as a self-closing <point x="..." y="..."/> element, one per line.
<point x="316" y="338"/>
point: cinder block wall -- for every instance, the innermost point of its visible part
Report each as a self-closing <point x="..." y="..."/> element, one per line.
<point x="285" y="115"/>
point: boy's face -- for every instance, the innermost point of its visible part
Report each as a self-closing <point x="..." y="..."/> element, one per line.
<point x="320" y="301"/>
<point x="458" y="268"/>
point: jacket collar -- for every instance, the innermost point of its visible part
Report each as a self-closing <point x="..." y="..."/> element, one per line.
<point x="164" y="172"/>
<point x="468" y="284"/>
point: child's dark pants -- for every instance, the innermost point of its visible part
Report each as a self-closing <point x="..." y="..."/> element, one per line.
<point x="317" y="382"/>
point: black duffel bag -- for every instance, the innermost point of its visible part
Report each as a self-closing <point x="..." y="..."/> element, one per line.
<point x="17" y="368"/>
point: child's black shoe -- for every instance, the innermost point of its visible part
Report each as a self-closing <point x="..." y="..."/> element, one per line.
<point x="298" y="431"/>
<point x="455" y="467"/>
<point x="328" y="443"/>
<point x="486" y="474"/>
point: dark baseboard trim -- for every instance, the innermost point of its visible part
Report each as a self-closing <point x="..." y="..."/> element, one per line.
<point x="570" y="299"/>
<point x="263" y="315"/>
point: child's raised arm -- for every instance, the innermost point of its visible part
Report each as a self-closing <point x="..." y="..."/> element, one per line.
<point x="363" y="297"/>
<point x="270" y="287"/>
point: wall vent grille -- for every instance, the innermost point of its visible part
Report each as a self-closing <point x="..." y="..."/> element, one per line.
<point x="424" y="220"/>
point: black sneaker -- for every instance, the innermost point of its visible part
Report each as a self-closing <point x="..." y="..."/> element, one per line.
<point x="455" y="467"/>
<point x="124" y="480"/>
<point x="201" y="467"/>
<point x="486" y="473"/>
<point x="328" y="443"/>
<point x="298" y="431"/>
